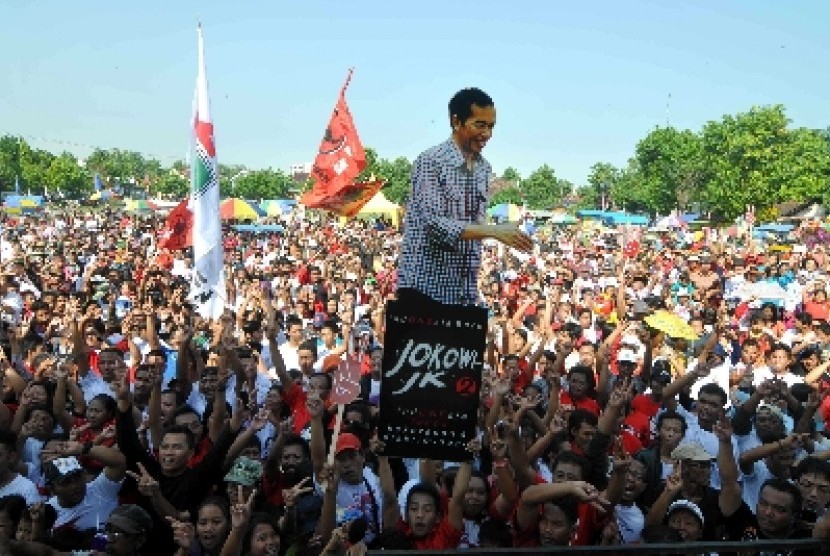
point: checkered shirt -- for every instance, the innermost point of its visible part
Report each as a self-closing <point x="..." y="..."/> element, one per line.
<point x="446" y="196"/>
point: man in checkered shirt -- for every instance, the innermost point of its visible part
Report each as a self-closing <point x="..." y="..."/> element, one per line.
<point x="441" y="252"/>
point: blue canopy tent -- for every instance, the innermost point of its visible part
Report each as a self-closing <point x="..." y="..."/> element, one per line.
<point x="505" y="211"/>
<point x="259" y="228"/>
<point x="773" y="228"/>
<point x="22" y="204"/>
<point x="620" y="218"/>
<point x="591" y="214"/>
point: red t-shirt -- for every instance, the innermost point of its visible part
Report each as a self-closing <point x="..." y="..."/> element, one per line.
<point x="525" y="377"/>
<point x="443" y="537"/>
<point x="819" y="311"/>
<point x="296" y="399"/>
<point x="640" y="425"/>
<point x="645" y="404"/>
<point x="585" y="403"/>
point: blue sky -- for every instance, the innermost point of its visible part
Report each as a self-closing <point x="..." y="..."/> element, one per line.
<point x="574" y="82"/>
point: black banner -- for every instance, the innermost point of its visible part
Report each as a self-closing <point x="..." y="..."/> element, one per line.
<point x="429" y="395"/>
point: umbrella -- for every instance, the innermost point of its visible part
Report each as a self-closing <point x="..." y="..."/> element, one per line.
<point x="505" y="211"/>
<point x="137" y="205"/>
<point x="671" y="324"/>
<point x="238" y="209"/>
<point x="271" y="207"/>
<point x="101" y="195"/>
<point x="561" y="217"/>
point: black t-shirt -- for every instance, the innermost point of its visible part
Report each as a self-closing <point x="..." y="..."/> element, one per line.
<point x="752" y="531"/>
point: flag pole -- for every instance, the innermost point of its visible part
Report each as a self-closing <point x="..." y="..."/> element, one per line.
<point x="346" y="83"/>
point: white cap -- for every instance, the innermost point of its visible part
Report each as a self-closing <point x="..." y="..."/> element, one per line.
<point x="627" y="355"/>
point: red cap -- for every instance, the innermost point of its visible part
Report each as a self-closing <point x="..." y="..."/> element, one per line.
<point x="347" y="441"/>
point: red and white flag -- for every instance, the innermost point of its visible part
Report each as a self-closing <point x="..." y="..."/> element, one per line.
<point x="178" y="228"/>
<point x="340" y="160"/>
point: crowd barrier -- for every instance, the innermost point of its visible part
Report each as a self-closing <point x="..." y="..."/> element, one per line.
<point x="742" y="548"/>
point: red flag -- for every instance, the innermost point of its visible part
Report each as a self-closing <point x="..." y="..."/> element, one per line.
<point x="339" y="161"/>
<point x="178" y="230"/>
<point x="347" y="201"/>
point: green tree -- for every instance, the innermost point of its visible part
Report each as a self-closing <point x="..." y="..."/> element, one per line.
<point x="543" y="190"/>
<point x="396" y="173"/>
<point x="511" y="176"/>
<point x="119" y="167"/>
<point x="510" y="194"/>
<point x="10" y="147"/>
<point x="65" y="175"/>
<point x="172" y="184"/>
<point x="264" y="184"/>
<point x="753" y="158"/>
<point x="601" y="180"/>
<point x="669" y="167"/>
<point x="33" y="166"/>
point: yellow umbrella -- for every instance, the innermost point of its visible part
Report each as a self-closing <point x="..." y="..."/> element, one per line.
<point x="671" y="324"/>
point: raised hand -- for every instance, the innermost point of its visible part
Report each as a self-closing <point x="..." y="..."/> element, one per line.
<point x="498" y="445"/>
<point x="260" y="419"/>
<point x="315" y="407"/>
<point x="147" y="485"/>
<point x="241" y="512"/>
<point x="183" y="532"/>
<point x="529" y="402"/>
<point x="291" y="495"/>
<point x="328" y="478"/>
<point x="377" y="446"/>
<point x="723" y="429"/>
<point x="586" y="492"/>
<point x="501" y="386"/>
<point x="674" y="482"/>
<point x="106" y="434"/>
<point x="474" y="446"/>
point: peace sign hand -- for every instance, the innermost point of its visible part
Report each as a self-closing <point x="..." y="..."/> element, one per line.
<point x="147" y="485"/>
<point x="241" y="512"/>
<point x="290" y="495"/>
<point x="674" y="482"/>
<point x="260" y="419"/>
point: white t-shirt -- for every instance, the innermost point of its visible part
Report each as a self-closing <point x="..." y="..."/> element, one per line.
<point x="354" y="501"/>
<point x="100" y="500"/>
<point x="631" y="521"/>
<point x="751" y="484"/>
<point x="290" y="356"/>
<point x="22" y="486"/>
<point x="469" y="538"/>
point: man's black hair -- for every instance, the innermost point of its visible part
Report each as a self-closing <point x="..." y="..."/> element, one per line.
<point x="712" y="388"/>
<point x="579" y="416"/>
<point x="673" y="415"/>
<point x="292" y="439"/>
<point x="812" y="466"/>
<point x="785" y="486"/>
<point x="461" y="104"/>
<point x="495" y="533"/>
<point x="425" y="488"/>
<point x="181" y="429"/>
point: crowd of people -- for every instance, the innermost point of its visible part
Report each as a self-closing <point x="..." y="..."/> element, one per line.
<point x="131" y="425"/>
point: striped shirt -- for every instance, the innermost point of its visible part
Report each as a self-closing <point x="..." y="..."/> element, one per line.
<point x="446" y="196"/>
